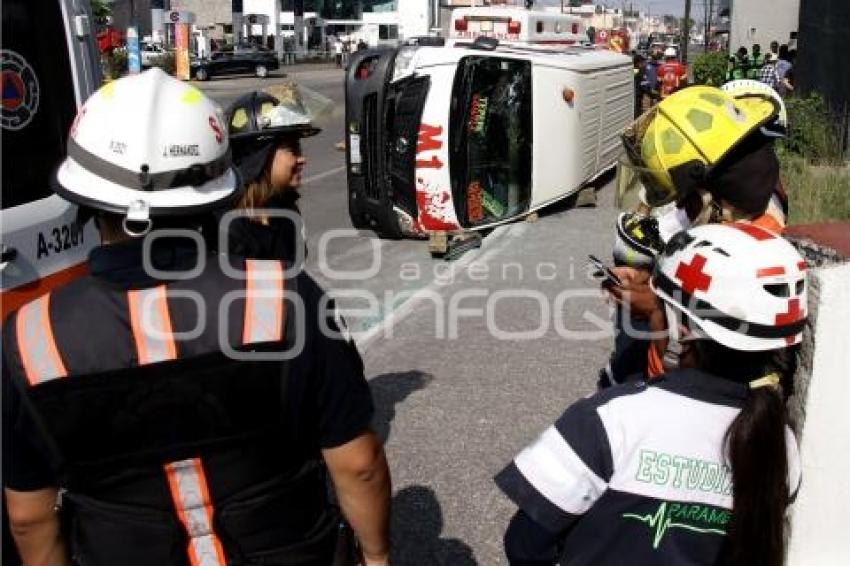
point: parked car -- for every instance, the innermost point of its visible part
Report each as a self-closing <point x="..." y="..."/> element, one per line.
<point x="150" y="51"/>
<point x="255" y="61"/>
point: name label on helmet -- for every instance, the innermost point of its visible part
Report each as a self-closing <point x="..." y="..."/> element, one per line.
<point x="118" y="147"/>
<point x="184" y="150"/>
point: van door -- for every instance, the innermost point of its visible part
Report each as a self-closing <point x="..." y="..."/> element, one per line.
<point x="49" y="68"/>
<point x="490" y="136"/>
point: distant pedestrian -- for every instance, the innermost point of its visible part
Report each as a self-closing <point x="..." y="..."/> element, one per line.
<point x="672" y="74"/>
<point x="774" y="48"/>
<point x="756" y="63"/>
<point x="768" y="71"/>
<point x="783" y="69"/>
<point x="361" y="45"/>
<point x="738" y="65"/>
<point x="640" y="83"/>
<point x="338" y="48"/>
<point x="652" y="76"/>
<point x="346" y="52"/>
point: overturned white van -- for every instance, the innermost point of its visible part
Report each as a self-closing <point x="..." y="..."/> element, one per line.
<point x="450" y="140"/>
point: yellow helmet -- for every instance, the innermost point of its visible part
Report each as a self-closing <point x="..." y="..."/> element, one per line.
<point x="675" y="145"/>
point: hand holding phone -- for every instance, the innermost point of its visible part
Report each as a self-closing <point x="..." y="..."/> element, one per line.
<point x="604" y="271"/>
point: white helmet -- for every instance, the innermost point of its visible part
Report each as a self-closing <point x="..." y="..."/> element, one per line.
<point x="670" y="52"/>
<point x="742" y="286"/>
<point x="148" y="145"/>
<point x="748" y="90"/>
<point x="637" y="240"/>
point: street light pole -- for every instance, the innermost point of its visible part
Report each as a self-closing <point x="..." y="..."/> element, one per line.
<point x="686" y="33"/>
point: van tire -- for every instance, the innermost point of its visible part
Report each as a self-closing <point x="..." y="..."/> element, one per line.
<point x="261" y="71"/>
<point x="202" y="75"/>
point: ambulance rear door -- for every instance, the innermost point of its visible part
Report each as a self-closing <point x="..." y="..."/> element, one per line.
<point x="50" y="66"/>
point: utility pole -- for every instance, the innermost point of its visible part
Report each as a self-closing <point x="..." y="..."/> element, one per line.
<point x="686" y="32"/>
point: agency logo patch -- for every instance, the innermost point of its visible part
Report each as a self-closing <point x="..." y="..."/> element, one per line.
<point x="21" y="91"/>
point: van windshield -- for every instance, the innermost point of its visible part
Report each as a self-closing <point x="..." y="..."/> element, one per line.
<point x="491" y="139"/>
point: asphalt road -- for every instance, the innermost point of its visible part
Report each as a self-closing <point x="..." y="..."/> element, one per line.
<point x="468" y="361"/>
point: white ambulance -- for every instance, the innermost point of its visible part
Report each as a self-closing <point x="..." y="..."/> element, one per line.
<point x="447" y="140"/>
<point x="50" y="67"/>
<point x="516" y="26"/>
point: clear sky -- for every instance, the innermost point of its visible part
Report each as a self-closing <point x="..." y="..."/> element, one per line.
<point x="675" y="7"/>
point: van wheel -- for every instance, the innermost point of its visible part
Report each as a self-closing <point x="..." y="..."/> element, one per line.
<point x="261" y="71"/>
<point x="202" y="75"/>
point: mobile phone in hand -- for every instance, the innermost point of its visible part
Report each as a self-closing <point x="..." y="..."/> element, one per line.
<point x="604" y="271"/>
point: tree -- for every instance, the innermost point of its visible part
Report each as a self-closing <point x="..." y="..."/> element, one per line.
<point x="687" y="25"/>
<point x="101" y="12"/>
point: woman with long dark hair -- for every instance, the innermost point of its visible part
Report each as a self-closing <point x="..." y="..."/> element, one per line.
<point x="697" y="466"/>
<point x="265" y="134"/>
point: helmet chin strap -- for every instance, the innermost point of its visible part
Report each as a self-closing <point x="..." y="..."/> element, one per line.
<point x="672" y="322"/>
<point x="138" y="214"/>
<point x="708" y="211"/>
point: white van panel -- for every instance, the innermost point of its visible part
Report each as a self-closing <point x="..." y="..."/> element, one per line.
<point x="586" y="133"/>
<point x="39" y="234"/>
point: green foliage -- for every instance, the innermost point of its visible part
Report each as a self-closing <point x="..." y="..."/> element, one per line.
<point x="816" y="193"/>
<point x="115" y="63"/>
<point x="812" y="132"/>
<point x="166" y="62"/>
<point x="100" y="10"/>
<point x="710" y="68"/>
<point x="813" y="170"/>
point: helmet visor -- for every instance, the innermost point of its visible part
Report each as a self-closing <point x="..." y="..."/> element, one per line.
<point x="636" y="183"/>
<point x="638" y="188"/>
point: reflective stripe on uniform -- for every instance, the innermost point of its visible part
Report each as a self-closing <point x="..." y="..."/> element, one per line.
<point x="263" y="301"/>
<point x="191" y="497"/>
<point x="151" y="325"/>
<point x="39" y="354"/>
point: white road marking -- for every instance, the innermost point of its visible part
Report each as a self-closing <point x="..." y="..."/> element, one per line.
<point x="498" y="240"/>
<point x="324" y="174"/>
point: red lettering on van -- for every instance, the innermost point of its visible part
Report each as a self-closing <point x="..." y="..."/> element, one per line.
<point x="428" y="140"/>
<point x="433" y="163"/>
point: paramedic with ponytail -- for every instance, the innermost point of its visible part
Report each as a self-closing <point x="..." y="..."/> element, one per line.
<point x="699" y="465"/>
<point x="174" y="407"/>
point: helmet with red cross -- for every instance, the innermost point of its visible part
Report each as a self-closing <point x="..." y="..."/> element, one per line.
<point x="737" y="284"/>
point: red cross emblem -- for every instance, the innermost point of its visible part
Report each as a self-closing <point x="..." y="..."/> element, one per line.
<point x="692" y="276"/>
<point x="793" y="315"/>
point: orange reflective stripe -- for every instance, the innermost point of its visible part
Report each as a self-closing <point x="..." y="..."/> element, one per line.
<point x="191" y="496"/>
<point x="151" y="325"/>
<point x="655" y="362"/>
<point x="768" y="222"/>
<point x="264" y="287"/>
<point x="39" y="354"/>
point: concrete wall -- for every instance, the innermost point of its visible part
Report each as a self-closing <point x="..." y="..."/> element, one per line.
<point x="771" y="19"/>
<point x="818" y="520"/>
<point x="207" y="12"/>
<point x="413" y="17"/>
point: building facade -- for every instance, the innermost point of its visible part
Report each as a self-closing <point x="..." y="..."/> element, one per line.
<point x="762" y="21"/>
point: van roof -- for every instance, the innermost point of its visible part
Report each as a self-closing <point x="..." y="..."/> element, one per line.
<point x="577" y="58"/>
<point x="511" y="11"/>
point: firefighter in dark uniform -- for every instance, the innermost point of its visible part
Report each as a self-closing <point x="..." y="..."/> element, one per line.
<point x="265" y="135"/>
<point x="175" y="406"/>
